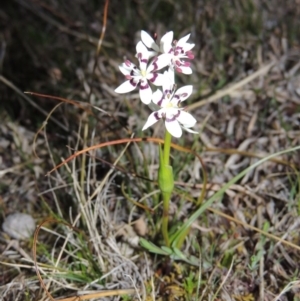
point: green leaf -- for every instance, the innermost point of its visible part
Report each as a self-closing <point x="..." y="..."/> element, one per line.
<point x="152" y="247"/>
<point x="227" y="259"/>
<point x="167" y="250"/>
<point x="179" y="254"/>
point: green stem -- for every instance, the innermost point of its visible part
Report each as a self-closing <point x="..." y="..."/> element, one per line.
<point x="165" y="218"/>
<point x="166" y="184"/>
<point x="167" y="147"/>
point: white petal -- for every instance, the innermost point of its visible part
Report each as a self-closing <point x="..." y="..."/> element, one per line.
<point x="153" y="118"/>
<point x="126" y="67"/>
<point x="163" y="60"/>
<point x="125" y="70"/>
<point x="159" y="62"/>
<point x="145" y="93"/>
<point x="183" y="93"/>
<point x="148" y="41"/>
<point x="141" y="48"/>
<point x="157" y="79"/>
<point x="151" y="54"/>
<point x="186" y="119"/>
<point x="186" y="70"/>
<point x="126" y="87"/>
<point x="166" y="42"/>
<point x="190" y="131"/>
<point x="170" y="75"/>
<point x="174" y="128"/>
<point x="183" y="40"/>
<point x="142" y="55"/>
<point x="188" y="46"/>
<point x="157" y="96"/>
<point x="171" y="68"/>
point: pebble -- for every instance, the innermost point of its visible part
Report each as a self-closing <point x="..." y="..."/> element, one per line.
<point x="19" y="225"/>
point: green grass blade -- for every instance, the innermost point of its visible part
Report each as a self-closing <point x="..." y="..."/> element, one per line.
<point x="218" y="194"/>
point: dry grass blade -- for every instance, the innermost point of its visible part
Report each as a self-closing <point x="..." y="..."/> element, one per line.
<point x="227" y="91"/>
<point x="99" y="295"/>
<point x="122" y="141"/>
<point x="274" y="237"/>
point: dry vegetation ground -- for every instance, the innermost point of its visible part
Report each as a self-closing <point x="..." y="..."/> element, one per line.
<point x="247" y="103"/>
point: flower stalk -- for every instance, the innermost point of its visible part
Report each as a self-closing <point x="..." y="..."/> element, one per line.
<point x="166" y="184"/>
<point x="174" y="57"/>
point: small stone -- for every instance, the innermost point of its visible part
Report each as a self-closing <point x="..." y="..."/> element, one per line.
<point x="140" y="226"/>
<point x="19" y="225"/>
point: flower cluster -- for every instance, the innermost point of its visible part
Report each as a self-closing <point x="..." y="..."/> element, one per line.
<point x="171" y="55"/>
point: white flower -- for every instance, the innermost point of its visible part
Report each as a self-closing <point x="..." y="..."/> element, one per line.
<point x="181" y="50"/>
<point x="141" y="77"/>
<point x="170" y="110"/>
<point x="151" y="44"/>
<point x="177" y="50"/>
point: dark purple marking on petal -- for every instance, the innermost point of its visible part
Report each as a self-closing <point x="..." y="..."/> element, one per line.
<point x="133" y="83"/>
<point x="154" y="64"/>
<point x="174" y="117"/>
<point x="178" y="50"/>
<point x="183" y="95"/>
<point x="161" y="100"/>
<point x="176" y="96"/>
<point x="156" y="116"/>
<point x="167" y="91"/>
<point x="153" y="78"/>
<point x="144" y="85"/>
<point x="140" y="58"/>
<point x="134" y="71"/>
